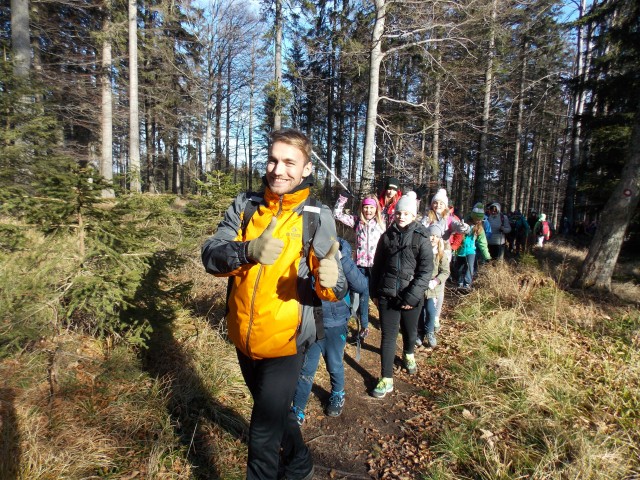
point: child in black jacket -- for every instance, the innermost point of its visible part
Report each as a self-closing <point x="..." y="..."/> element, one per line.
<point x="401" y="271"/>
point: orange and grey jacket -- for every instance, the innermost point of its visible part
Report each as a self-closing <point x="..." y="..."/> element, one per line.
<point x="270" y="307"/>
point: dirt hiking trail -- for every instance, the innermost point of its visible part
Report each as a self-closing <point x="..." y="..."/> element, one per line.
<point x="380" y="438"/>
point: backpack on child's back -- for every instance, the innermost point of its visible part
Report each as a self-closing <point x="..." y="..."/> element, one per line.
<point x="546" y="231"/>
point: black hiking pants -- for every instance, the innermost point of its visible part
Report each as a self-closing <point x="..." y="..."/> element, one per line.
<point x="276" y="446"/>
<point x="393" y="319"/>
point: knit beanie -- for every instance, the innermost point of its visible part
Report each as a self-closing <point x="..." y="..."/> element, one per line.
<point x="393" y="183"/>
<point x="435" y="230"/>
<point x="542" y="217"/>
<point x="407" y="203"/>
<point x="478" y="212"/>
<point x="441" y="196"/>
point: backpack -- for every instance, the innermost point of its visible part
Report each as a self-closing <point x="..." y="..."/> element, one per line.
<point x="546" y="231"/>
<point x="310" y="218"/>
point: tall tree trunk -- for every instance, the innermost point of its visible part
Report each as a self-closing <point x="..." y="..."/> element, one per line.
<point x="218" y="120"/>
<point x="435" y="153"/>
<point x="568" y="210"/>
<point x="330" y="119"/>
<point x="176" y="184"/>
<point x="106" y="158"/>
<point x="149" y="134"/>
<point x="277" y="111"/>
<point x="134" y="121"/>
<point x="518" y="144"/>
<point x="252" y="87"/>
<point x="481" y="164"/>
<point x="597" y="269"/>
<point x="21" y="48"/>
<point x="227" y="126"/>
<point x="374" y="96"/>
<point x="353" y="174"/>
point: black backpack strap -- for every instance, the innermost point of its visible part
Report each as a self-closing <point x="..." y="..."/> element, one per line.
<point x="310" y="222"/>
<point x="253" y="201"/>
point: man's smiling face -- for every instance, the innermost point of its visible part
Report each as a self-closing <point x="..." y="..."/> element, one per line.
<point x="286" y="167"/>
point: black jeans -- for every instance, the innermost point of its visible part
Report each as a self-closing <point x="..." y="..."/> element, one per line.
<point x="392" y="320"/>
<point x="272" y="383"/>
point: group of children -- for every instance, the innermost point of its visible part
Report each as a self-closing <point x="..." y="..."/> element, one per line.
<point x="401" y="264"/>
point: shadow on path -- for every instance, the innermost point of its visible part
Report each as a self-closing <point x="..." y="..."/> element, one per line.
<point x="167" y="359"/>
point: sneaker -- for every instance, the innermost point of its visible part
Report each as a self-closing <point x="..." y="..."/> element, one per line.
<point x="460" y="285"/>
<point x="410" y="363"/>
<point x="383" y="387"/>
<point x="299" y="414"/>
<point x="364" y="333"/>
<point x="431" y="338"/>
<point x="436" y="324"/>
<point x="418" y="341"/>
<point x="336" y="403"/>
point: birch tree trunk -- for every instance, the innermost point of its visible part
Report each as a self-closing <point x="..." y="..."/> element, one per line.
<point x="374" y="95"/>
<point x="252" y="88"/>
<point x="21" y="48"/>
<point x="134" y="120"/>
<point x="277" y="109"/>
<point x="598" y="267"/>
<point x="106" y="158"/>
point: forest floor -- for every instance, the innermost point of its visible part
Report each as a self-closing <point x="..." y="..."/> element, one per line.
<point x="375" y="437"/>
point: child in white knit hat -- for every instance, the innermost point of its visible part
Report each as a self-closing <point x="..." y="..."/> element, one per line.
<point x="401" y="272"/>
<point x="438" y="213"/>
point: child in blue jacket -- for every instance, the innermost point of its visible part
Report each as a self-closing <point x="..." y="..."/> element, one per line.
<point x="331" y="338"/>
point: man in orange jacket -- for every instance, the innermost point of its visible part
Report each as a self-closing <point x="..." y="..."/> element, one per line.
<point x="273" y="287"/>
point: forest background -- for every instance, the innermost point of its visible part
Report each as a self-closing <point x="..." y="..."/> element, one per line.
<point x="532" y="104"/>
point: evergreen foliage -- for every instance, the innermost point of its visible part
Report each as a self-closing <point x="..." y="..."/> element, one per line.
<point x="614" y="83"/>
<point x="216" y="192"/>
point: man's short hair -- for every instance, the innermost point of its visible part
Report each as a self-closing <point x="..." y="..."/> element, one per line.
<point x="292" y="137"/>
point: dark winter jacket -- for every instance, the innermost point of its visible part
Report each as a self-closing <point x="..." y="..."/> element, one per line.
<point x="402" y="267"/>
<point x="335" y="314"/>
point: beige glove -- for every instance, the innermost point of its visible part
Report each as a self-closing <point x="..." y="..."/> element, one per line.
<point x="328" y="270"/>
<point x="265" y="249"/>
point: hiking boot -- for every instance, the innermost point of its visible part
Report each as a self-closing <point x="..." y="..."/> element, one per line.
<point x="308" y="476"/>
<point x="299" y="414"/>
<point x="336" y="403"/>
<point x="364" y="333"/>
<point x="436" y="324"/>
<point x="431" y="338"/>
<point x="383" y="387"/>
<point x="410" y="363"/>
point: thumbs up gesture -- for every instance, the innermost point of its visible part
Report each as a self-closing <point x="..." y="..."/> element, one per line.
<point x="328" y="270"/>
<point x="265" y="249"/>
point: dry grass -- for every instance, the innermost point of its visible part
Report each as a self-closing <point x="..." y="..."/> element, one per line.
<point x="550" y="390"/>
<point x="549" y="386"/>
<point x="80" y="410"/>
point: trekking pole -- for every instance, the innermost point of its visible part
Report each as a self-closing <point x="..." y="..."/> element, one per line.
<point x="358" y="340"/>
<point x="331" y="172"/>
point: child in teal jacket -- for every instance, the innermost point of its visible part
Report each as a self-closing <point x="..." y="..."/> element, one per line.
<point x="475" y="240"/>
